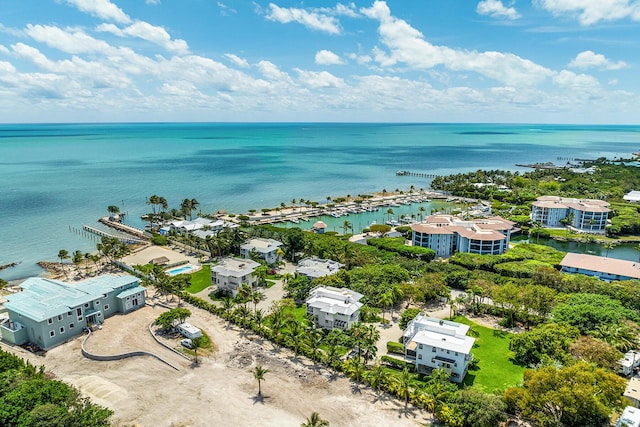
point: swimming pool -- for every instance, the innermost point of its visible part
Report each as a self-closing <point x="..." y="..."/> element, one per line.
<point x="184" y="269"/>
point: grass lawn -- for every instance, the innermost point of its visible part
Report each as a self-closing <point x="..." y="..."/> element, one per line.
<point x="497" y="371"/>
<point x="200" y="280"/>
<point x="300" y="313"/>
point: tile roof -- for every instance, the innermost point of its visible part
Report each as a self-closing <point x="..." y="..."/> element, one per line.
<point x="602" y="265"/>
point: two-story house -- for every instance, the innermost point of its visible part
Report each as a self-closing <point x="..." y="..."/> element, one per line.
<point x="433" y="343"/>
<point x="331" y="307"/>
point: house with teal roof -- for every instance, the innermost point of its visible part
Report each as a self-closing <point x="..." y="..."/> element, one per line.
<point x="48" y="312"/>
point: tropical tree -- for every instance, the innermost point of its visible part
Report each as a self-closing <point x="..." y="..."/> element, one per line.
<point x="315" y="421"/>
<point x="608" y="246"/>
<point x="196" y="343"/>
<point x="403" y="383"/>
<point x="389" y="212"/>
<point x="385" y="300"/>
<point x="113" y="210"/>
<point x="378" y="378"/>
<point x="258" y="373"/>
<point x="77" y="259"/>
<point x="346" y="226"/>
<point x="62" y="255"/>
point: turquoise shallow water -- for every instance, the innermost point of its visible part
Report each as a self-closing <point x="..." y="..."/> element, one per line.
<point x="53" y="177"/>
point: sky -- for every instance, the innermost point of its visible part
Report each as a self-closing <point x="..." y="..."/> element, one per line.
<point x="484" y="61"/>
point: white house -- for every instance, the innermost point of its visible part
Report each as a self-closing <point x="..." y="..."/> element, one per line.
<point x="632" y="196"/>
<point x="331" y="307"/>
<point x="317" y="267"/>
<point x="606" y="269"/>
<point x="433" y="343"/>
<point x="201" y="227"/>
<point x="268" y="249"/>
<point x="629" y="362"/>
<point x="586" y="215"/>
<point x="231" y="273"/>
<point x="447" y="234"/>
<point x="630" y="417"/>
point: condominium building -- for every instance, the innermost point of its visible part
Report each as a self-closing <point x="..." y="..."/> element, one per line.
<point x="586" y="215"/>
<point x="331" y="307"/>
<point x="447" y="234"/>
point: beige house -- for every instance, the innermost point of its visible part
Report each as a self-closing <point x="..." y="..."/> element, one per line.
<point x="231" y="273"/>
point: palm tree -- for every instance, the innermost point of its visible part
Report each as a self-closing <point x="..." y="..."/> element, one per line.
<point x="403" y="384"/>
<point x="194" y="206"/>
<point x="608" y="246"/>
<point x="385" y="300"/>
<point x="389" y="212"/>
<point x="422" y="210"/>
<point x="258" y="373"/>
<point x="63" y="254"/>
<point x="346" y="226"/>
<point x="196" y="343"/>
<point x="77" y="259"/>
<point x="378" y="377"/>
<point x="315" y="421"/>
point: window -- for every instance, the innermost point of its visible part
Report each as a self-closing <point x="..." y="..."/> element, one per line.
<point x="79" y="318"/>
<point x="106" y="306"/>
<point x="69" y="313"/>
<point x="86" y="305"/>
<point x="59" y="316"/>
<point x="104" y="295"/>
<point x="79" y="311"/>
<point x="420" y="346"/>
<point x="52" y="333"/>
<point x="419" y="356"/>
<point x="448" y="352"/>
<point x="50" y="321"/>
<point x="433" y="349"/>
<point x="62" y="329"/>
<point x="97" y="303"/>
<point x="71" y="326"/>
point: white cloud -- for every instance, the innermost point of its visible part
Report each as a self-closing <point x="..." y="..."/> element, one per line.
<point x="240" y="62"/>
<point x="69" y="40"/>
<point x="589" y="59"/>
<point x="406" y="45"/>
<point x="103" y="9"/>
<point x="319" y="79"/>
<point x="271" y="71"/>
<point x="590" y="12"/>
<point x="153" y="2"/>
<point x="148" y="32"/>
<point x="226" y="10"/>
<point x="312" y="20"/>
<point x="326" y="57"/>
<point x="496" y="9"/>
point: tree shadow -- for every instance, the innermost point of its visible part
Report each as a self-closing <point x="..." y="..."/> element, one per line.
<point x="195" y="364"/>
<point x="259" y="399"/>
<point x="355" y="388"/>
<point x="499" y="334"/>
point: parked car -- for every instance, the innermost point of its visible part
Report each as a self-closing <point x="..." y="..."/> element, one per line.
<point x="186" y="342"/>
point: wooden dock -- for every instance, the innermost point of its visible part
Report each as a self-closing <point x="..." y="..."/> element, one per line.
<point x="102" y="233"/>
<point x="416" y="174"/>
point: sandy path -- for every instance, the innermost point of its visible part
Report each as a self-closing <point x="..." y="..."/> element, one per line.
<point x="221" y="390"/>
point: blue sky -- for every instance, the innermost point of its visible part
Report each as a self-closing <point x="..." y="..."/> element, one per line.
<point x="536" y="61"/>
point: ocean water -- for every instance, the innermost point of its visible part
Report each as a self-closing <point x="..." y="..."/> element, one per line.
<point x="56" y="177"/>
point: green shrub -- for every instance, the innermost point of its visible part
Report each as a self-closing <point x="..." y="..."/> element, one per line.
<point x="243" y="218"/>
<point x="395" y="347"/>
<point x="159" y="240"/>
<point x="394" y="363"/>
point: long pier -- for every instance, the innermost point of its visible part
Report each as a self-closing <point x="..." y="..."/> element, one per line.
<point x="416" y="174"/>
<point x="102" y="233"/>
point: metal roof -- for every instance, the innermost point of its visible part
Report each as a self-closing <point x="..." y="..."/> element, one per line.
<point x="41" y="298"/>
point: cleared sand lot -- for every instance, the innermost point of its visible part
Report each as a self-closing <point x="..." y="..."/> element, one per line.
<point x="221" y="390"/>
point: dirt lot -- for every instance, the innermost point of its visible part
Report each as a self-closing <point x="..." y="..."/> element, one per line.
<point x="221" y="390"/>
